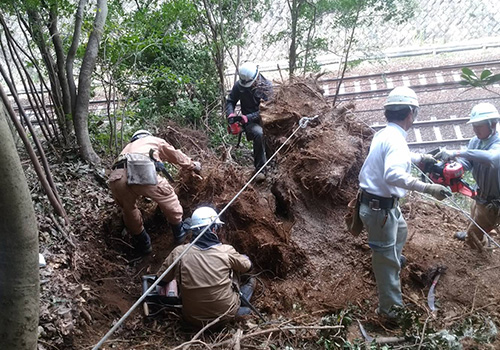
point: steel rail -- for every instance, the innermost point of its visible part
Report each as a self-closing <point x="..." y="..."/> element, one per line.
<point x="414" y="71"/>
<point x="431" y="124"/>
<point x="435" y="104"/>
<point x="414" y="145"/>
<point x="384" y="91"/>
<point x="428" y="123"/>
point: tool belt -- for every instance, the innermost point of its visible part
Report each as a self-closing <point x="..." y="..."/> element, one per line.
<point x="376" y="202"/>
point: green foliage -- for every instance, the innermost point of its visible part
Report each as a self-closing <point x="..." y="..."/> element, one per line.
<point x="345" y="15"/>
<point x="99" y="133"/>
<point x="478" y="327"/>
<point x="486" y="78"/>
<point x="154" y="61"/>
<point x="335" y="338"/>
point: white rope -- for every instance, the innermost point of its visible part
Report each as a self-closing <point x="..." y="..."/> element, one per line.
<point x="302" y="124"/>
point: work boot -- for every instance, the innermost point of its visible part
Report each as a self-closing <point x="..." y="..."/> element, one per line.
<point x="179" y="232"/>
<point x="142" y="243"/>
<point x="402" y="261"/>
<point x="461" y="235"/>
<point x="261" y="177"/>
<point x="388" y="321"/>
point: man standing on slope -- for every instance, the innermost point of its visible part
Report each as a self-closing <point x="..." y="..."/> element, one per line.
<point x="385" y="178"/>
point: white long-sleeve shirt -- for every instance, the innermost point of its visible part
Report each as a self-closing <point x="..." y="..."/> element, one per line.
<point x="386" y="170"/>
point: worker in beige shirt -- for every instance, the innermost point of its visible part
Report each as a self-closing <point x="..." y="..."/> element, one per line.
<point x="135" y="174"/>
<point x="207" y="275"/>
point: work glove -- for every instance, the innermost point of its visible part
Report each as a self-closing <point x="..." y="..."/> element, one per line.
<point x="446" y="155"/>
<point x="437" y="191"/>
<point x="427" y="159"/>
<point x="232" y="118"/>
<point x="244" y="119"/>
<point x="197" y="167"/>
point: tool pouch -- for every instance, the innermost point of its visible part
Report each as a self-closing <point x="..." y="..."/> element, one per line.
<point x="352" y="220"/>
<point x="140" y="170"/>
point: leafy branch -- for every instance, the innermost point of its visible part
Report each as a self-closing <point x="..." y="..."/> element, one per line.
<point x="483" y="81"/>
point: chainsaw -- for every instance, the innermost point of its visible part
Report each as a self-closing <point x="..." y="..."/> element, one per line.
<point x="235" y="127"/>
<point x="448" y="174"/>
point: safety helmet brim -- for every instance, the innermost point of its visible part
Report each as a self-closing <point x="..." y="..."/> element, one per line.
<point x="248" y="84"/>
<point x="217" y="221"/>
<point x="140" y="133"/>
<point x="401" y="96"/>
<point x="204" y="216"/>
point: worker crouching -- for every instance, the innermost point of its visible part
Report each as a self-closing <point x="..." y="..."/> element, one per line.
<point x="207" y="274"/>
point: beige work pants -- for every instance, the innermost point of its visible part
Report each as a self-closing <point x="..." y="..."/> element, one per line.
<point x="126" y="196"/>
<point x="487" y="217"/>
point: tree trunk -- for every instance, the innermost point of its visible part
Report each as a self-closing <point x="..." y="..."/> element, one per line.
<point x="294" y="7"/>
<point x="19" y="276"/>
<point x="70" y="59"/>
<point x="35" y="26"/>
<point x="83" y="97"/>
<point x="60" y="61"/>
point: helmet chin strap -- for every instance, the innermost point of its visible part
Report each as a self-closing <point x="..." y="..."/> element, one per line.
<point x="492" y="129"/>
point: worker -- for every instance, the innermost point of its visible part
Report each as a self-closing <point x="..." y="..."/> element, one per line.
<point x="134" y="174"/>
<point x="482" y="157"/>
<point x="207" y="275"/>
<point x="384" y="179"/>
<point x="250" y="90"/>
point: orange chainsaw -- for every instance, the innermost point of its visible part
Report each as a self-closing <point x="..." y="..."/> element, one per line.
<point x="448" y="174"/>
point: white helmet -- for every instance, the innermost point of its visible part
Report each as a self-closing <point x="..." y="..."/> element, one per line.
<point x="483" y="112"/>
<point x="139" y="133"/>
<point x="401" y="96"/>
<point x="204" y="216"/>
<point x="248" y="72"/>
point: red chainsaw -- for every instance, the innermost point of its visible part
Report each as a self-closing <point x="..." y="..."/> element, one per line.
<point x="235" y="125"/>
<point x="449" y="174"/>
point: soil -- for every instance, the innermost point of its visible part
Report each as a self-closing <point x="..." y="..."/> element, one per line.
<point x="291" y="226"/>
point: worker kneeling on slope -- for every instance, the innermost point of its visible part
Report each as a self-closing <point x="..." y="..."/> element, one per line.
<point x="207" y="275"/>
<point x="134" y="174"/>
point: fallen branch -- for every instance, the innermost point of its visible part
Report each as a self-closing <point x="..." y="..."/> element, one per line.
<point x="277" y="329"/>
<point x="469" y="313"/>
<point x="194" y="340"/>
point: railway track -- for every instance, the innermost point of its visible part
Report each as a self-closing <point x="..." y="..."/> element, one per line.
<point x="445" y="104"/>
<point x="441" y="121"/>
<point x="427" y="134"/>
<point x="421" y="79"/>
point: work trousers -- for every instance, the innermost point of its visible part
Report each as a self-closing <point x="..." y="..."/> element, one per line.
<point x="255" y="133"/>
<point x="126" y="197"/>
<point x="387" y="232"/>
<point x="486" y="216"/>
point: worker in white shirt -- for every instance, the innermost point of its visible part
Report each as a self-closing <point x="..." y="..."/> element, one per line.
<point x="385" y="178"/>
